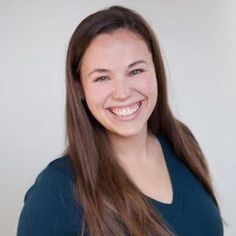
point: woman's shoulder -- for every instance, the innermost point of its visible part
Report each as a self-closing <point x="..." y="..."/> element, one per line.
<point x="55" y="180"/>
<point x="57" y="177"/>
<point x="49" y="205"/>
<point x="62" y="166"/>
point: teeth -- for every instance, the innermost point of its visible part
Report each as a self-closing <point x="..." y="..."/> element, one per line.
<point x="125" y="111"/>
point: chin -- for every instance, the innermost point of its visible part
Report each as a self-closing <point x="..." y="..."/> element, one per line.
<point x="127" y="133"/>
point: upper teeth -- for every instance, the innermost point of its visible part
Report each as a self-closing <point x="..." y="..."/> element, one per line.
<point x="125" y="111"/>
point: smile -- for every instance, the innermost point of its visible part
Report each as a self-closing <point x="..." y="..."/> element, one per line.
<point x="125" y="111"/>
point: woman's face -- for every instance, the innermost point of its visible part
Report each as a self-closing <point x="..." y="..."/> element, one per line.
<point x="119" y="82"/>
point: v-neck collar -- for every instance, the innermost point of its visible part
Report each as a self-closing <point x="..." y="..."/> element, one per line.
<point x="168" y="156"/>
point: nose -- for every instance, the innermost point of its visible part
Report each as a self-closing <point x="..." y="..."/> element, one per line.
<point x="121" y="89"/>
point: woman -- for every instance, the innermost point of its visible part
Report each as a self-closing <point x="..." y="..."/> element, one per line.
<point x="130" y="168"/>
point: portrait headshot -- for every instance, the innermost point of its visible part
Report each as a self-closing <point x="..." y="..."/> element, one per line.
<point x="117" y="118"/>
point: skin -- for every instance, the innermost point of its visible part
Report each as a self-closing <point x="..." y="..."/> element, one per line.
<point x="117" y="71"/>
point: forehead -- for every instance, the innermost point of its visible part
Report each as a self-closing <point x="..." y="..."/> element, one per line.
<point x="121" y="34"/>
<point x="110" y="47"/>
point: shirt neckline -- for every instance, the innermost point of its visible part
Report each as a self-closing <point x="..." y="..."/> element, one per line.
<point x="167" y="156"/>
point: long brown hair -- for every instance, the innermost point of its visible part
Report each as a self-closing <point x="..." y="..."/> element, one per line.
<point x="112" y="204"/>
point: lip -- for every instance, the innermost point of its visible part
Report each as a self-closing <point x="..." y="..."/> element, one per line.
<point x="126" y="118"/>
<point x="124" y="106"/>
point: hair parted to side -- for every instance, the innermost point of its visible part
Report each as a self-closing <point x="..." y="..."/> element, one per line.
<point x="112" y="204"/>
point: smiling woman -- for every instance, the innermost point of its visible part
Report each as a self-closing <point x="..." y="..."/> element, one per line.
<point x="119" y="69"/>
<point x="130" y="167"/>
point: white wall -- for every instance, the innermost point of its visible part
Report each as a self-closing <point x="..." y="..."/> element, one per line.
<point x="198" y="39"/>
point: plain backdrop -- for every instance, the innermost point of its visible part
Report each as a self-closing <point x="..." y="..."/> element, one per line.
<point x="198" y="42"/>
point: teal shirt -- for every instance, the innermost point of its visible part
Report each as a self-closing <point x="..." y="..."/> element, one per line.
<point x="50" y="208"/>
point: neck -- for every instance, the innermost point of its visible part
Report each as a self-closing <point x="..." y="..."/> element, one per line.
<point x="134" y="148"/>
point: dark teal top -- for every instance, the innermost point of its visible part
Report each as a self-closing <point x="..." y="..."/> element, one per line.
<point x="50" y="208"/>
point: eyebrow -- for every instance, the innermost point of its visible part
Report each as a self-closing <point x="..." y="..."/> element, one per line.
<point x="100" y="70"/>
<point x="137" y="62"/>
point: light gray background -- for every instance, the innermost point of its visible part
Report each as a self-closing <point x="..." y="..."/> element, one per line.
<point x="198" y="40"/>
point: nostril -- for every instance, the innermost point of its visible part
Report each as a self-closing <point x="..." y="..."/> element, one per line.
<point x="121" y="94"/>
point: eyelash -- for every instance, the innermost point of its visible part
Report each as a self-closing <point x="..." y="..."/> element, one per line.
<point x="101" y="78"/>
<point x="132" y="73"/>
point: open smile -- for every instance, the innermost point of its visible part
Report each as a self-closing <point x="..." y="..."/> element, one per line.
<point x="125" y="111"/>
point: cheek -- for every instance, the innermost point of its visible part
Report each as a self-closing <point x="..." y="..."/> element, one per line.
<point x="96" y="95"/>
<point x="148" y="85"/>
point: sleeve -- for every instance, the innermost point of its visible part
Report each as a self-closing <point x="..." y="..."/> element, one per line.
<point x="49" y="207"/>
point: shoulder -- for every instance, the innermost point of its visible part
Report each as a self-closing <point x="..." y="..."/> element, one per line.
<point x="50" y="207"/>
<point x="60" y="166"/>
<point x="56" y="178"/>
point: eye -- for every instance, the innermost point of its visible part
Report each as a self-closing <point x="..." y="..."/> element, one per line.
<point x="101" y="78"/>
<point x="136" y="71"/>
